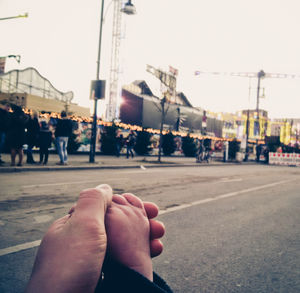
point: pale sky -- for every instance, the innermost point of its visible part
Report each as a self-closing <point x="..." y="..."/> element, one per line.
<point x="60" y="39"/>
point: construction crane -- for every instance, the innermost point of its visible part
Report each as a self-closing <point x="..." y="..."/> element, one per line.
<point x="118" y="9"/>
<point x="248" y="74"/>
<point x="259" y="75"/>
<point x="114" y="62"/>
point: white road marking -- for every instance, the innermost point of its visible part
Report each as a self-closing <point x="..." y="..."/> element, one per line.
<point x="226" y="180"/>
<point x="67" y="183"/>
<point x="43" y="219"/>
<point x="19" y="247"/>
<point x="221" y="196"/>
<point x="33" y="244"/>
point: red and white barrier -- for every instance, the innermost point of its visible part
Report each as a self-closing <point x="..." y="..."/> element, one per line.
<point x="284" y="159"/>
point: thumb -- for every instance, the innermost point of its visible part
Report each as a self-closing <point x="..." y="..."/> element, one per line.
<point x="93" y="203"/>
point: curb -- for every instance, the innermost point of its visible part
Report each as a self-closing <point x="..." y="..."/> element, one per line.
<point x="109" y="167"/>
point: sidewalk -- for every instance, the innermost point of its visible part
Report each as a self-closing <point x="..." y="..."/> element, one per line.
<point x="81" y="162"/>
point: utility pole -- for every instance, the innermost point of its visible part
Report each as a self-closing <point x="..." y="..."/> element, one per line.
<point x="178" y="119"/>
<point x="260" y="75"/>
<point x="247" y="124"/>
<point x="247" y="136"/>
<point x="162" y="102"/>
<point x="94" y="125"/>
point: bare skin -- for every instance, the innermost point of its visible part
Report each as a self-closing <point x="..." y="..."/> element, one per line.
<point x="128" y="233"/>
<point x="72" y="252"/>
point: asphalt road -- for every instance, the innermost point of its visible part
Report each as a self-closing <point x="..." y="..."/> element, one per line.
<point x="229" y="228"/>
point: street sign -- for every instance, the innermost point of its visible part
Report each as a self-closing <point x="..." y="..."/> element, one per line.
<point x="97" y="89"/>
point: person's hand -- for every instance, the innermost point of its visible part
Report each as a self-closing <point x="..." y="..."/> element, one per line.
<point x="72" y="252"/>
<point x="132" y="233"/>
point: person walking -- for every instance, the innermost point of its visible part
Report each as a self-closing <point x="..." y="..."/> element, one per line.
<point x="119" y="144"/>
<point x="199" y="157"/>
<point x="33" y="128"/>
<point x="63" y="131"/>
<point x="258" y="152"/>
<point x="16" y="134"/>
<point x="44" y="142"/>
<point x="130" y="143"/>
<point x="4" y="114"/>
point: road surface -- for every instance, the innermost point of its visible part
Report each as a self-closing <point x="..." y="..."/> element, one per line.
<point x="230" y="228"/>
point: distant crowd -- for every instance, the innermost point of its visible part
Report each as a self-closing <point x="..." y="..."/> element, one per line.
<point x="18" y="128"/>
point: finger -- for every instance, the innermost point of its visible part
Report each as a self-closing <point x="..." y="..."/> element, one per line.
<point x="119" y="199"/>
<point x="59" y="223"/>
<point x="156" y="247"/>
<point x="151" y="209"/>
<point x="157" y="229"/>
<point x="93" y="202"/>
<point x="133" y="200"/>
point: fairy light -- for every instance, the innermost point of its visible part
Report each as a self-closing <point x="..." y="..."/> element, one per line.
<point x="80" y="119"/>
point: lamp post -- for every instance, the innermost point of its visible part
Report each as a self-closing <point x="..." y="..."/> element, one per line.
<point x="247" y="125"/>
<point x="162" y="102"/>
<point x="247" y="136"/>
<point x="128" y="9"/>
<point x="94" y="125"/>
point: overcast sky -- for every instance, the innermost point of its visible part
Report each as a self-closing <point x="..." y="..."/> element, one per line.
<point x="60" y="39"/>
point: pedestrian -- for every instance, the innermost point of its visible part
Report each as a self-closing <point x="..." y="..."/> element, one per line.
<point x="119" y="144"/>
<point x="63" y="131"/>
<point x="16" y="134"/>
<point x="4" y="116"/>
<point x="104" y="244"/>
<point x="266" y="154"/>
<point x="44" y="142"/>
<point x="258" y="151"/>
<point x="225" y="151"/>
<point x="33" y="128"/>
<point x="130" y="143"/>
<point x="199" y="157"/>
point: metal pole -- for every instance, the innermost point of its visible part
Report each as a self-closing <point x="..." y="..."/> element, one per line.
<point x="161" y="127"/>
<point x="94" y="126"/>
<point x="259" y="75"/>
<point x="247" y="136"/>
<point x="247" y="123"/>
<point x="178" y="119"/>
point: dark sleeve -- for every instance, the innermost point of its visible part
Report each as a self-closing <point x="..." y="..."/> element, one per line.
<point x="118" y="278"/>
<point x="57" y="128"/>
<point x="70" y="127"/>
<point x="49" y="139"/>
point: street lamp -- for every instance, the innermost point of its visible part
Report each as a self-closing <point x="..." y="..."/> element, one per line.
<point x="17" y="57"/>
<point x="3" y="61"/>
<point x="17" y="16"/>
<point x="128" y="9"/>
